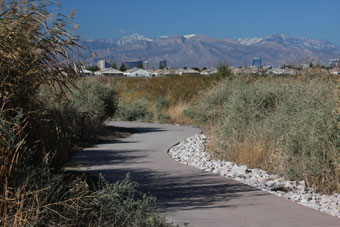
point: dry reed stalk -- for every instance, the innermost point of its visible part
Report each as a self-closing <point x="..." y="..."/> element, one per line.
<point x="254" y="154"/>
<point x="31" y="44"/>
<point x="176" y="113"/>
<point x="213" y="146"/>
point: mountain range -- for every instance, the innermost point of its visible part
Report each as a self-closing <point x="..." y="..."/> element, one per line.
<point x="202" y="51"/>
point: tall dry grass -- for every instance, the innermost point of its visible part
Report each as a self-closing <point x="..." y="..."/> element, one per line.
<point x="41" y="112"/>
<point x="174" y="88"/>
<point x="31" y="42"/>
<point x="176" y="92"/>
<point x="176" y="114"/>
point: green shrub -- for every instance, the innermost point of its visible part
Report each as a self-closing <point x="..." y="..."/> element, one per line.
<point x="293" y="118"/>
<point x="68" y="200"/>
<point x="223" y="71"/>
<point x="90" y="96"/>
<point x="81" y="110"/>
<point x="207" y="108"/>
<point x="161" y="104"/>
<point x="139" y="110"/>
<point x="120" y="204"/>
<point x="162" y="117"/>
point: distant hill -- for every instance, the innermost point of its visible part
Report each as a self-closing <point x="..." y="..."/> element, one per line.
<point x="202" y="51"/>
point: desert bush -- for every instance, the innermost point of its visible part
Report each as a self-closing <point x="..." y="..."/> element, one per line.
<point x="207" y="108"/>
<point x="163" y="117"/>
<point x="223" y="71"/>
<point x="120" y="204"/>
<point x="284" y="125"/>
<point x="82" y="109"/>
<point x="90" y="96"/>
<point x="161" y="104"/>
<point x="139" y="110"/>
<point x="69" y="200"/>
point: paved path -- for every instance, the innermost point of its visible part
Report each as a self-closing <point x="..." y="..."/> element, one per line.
<point x="189" y="195"/>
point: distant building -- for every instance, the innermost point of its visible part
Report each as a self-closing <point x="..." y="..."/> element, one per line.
<point x="162" y="64"/>
<point x="305" y="66"/>
<point x="133" y="64"/>
<point x="257" y="62"/>
<point x="108" y="72"/>
<point x="146" y="65"/>
<point x="209" y="71"/>
<point x="334" y="62"/>
<point x="156" y="72"/>
<point x="278" y="71"/>
<point x="86" y="72"/>
<point x="186" y="71"/>
<point x="335" y="71"/>
<point x="136" y="72"/>
<point x="102" y="64"/>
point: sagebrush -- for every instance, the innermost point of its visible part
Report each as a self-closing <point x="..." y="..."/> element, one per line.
<point x="284" y="125"/>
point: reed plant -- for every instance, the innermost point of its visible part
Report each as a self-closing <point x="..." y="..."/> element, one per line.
<point x="43" y="108"/>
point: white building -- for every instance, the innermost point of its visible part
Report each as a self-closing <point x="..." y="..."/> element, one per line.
<point x="277" y="71"/>
<point x="136" y="72"/>
<point x="335" y="71"/>
<point x="209" y="71"/>
<point x="168" y="72"/>
<point x="102" y="64"/>
<point x="108" y="72"/>
<point x="146" y="65"/>
<point x="85" y="72"/>
<point x="156" y="72"/>
<point x="187" y="71"/>
<point x="334" y="62"/>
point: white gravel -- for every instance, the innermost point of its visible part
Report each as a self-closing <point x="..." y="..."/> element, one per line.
<point x="192" y="152"/>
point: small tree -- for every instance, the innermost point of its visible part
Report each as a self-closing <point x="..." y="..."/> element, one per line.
<point x="122" y="68"/>
<point x="141" y="66"/>
<point x="223" y="71"/>
<point x="114" y="65"/>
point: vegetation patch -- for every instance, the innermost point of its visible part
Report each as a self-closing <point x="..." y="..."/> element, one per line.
<point x="161" y="99"/>
<point x="284" y="125"/>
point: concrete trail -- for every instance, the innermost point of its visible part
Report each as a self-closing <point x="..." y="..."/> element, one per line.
<point x="188" y="195"/>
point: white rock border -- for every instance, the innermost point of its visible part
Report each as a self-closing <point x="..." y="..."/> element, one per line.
<point x="192" y="152"/>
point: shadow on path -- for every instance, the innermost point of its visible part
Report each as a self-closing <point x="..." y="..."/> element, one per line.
<point x="98" y="157"/>
<point x="184" y="191"/>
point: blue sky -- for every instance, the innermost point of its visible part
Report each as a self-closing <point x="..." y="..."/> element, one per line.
<point x="319" y="19"/>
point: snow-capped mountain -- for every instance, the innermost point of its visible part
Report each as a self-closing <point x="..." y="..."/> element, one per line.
<point x="189" y="36"/>
<point x="288" y="41"/>
<point x="131" y="39"/>
<point x="202" y="51"/>
<point x="250" y="41"/>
